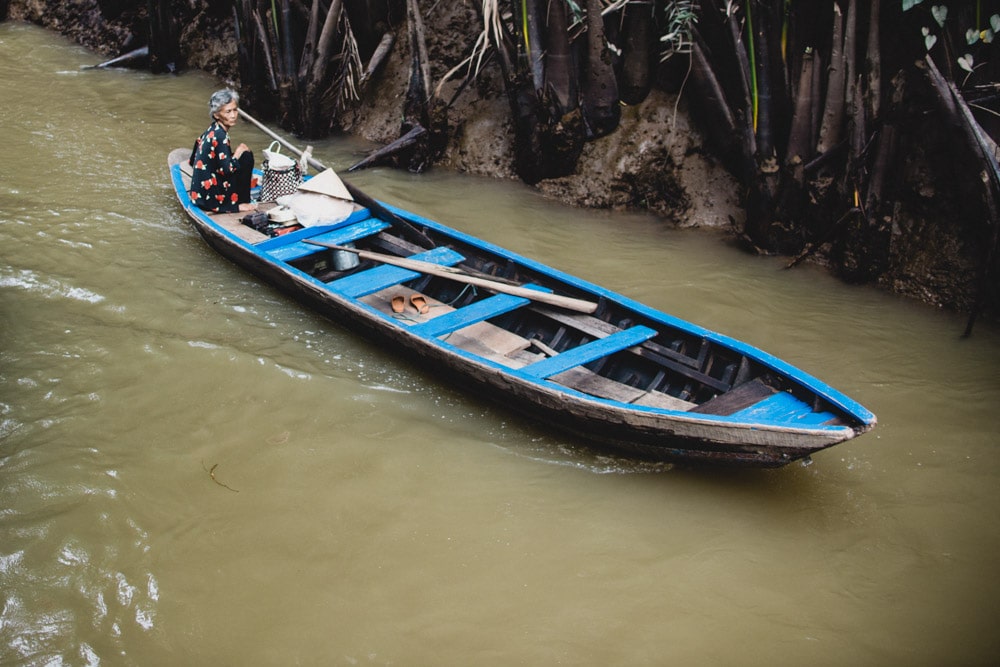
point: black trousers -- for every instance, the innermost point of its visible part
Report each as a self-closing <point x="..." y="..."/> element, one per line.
<point x="243" y="177"/>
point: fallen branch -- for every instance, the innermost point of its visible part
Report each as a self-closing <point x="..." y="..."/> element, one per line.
<point x="141" y="52"/>
<point x="380" y="55"/>
<point x="404" y="141"/>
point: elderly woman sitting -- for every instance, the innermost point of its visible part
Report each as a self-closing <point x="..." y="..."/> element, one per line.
<point x="221" y="179"/>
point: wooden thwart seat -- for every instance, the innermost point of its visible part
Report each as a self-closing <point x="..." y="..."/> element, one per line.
<point x="291" y="247"/>
<point x="596" y="327"/>
<point x="664" y="356"/>
<point x="474" y="312"/>
<point x="377" y="278"/>
<point x="588" y="352"/>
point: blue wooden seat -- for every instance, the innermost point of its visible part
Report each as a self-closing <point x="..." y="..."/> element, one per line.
<point x="583" y="354"/>
<point x="309" y="232"/>
<point x="339" y="236"/>
<point x="372" y="280"/>
<point x="782" y="407"/>
<point x="474" y="312"/>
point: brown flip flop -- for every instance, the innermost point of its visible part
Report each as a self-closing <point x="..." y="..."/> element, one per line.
<point x="398" y="303"/>
<point x="420" y="303"/>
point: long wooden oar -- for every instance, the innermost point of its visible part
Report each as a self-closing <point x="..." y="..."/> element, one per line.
<point x="451" y="273"/>
<point x="313" y="162"/>
<point x="377" y="209"/>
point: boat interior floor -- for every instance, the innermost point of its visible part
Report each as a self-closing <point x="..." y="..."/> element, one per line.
<point x="233" y="223"/>
<point x="482" y="338"/>
<point x="491" y="342"/>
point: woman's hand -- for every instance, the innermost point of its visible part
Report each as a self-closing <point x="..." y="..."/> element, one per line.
<point x="240" y="150"/>
<point x="247" y="207"/>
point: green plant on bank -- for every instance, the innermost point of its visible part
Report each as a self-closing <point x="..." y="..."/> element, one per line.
<point x="979" y="32"/>
<point x="678" y="18"/>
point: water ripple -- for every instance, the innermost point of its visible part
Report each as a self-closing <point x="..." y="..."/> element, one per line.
<point x="48" y="287"/>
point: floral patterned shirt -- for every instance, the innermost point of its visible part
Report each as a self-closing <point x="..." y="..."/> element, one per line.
<point x="214" y="167"/>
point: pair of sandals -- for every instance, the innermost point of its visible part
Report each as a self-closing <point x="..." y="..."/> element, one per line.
<point x="418" y="301"/>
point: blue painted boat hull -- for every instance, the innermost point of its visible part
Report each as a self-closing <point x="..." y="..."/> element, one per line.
<point x="625" y="376"/>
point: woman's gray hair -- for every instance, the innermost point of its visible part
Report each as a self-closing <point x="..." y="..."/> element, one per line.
<point x="221" y="98"/>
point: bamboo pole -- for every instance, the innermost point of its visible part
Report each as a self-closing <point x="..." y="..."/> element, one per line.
<point x="313" y="162"/>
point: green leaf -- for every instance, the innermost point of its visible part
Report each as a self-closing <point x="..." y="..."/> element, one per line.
<point x="929" y="41"/>
<point x="910" y="4"/>
<point x="940" y="13"/>
<point x="971" y="36"/>
<point x="988" y="35"/>
<point x="995" y="23"/>
<point x="965" y="62"/>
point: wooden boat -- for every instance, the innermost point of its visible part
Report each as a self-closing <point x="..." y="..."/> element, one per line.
<point x="566" y="352"/>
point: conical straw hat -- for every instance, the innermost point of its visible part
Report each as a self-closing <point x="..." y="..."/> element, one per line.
<point x="327" y="183"/>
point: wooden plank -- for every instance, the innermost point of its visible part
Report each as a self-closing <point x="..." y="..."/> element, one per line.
<point x="657" y="399"/>
<point x="372" y="280"/>
<point x="589" y="352"/>
<point x="233" y="223"/>
<point x="481" y="339"/>
<point x="499" y="340"/>
<point x="737" y="398"/>
<point x="589" y="382"/>
<point x="474" y="312"/>
<point x="299" y="249"/>
<point x="382" y="301"/>
<point x="489" y="342"/>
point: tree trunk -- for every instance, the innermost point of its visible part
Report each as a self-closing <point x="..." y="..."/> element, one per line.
<point x="416" y="106"/>
<point x="164" y="48"/>
<point x="601" y="111"/>
<point x="524" y="103"/>
<point x="873" y="63"/>
<point x="745" y="107"/>
<point x="560" y="71"/>
<point x="833" y="110"/>
<point x="637" y="51"/>
<point x="800" y="139"/>
<point x="534" y="43"/>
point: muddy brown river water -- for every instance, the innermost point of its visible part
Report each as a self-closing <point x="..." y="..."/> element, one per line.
<point x="195" y="471"/>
